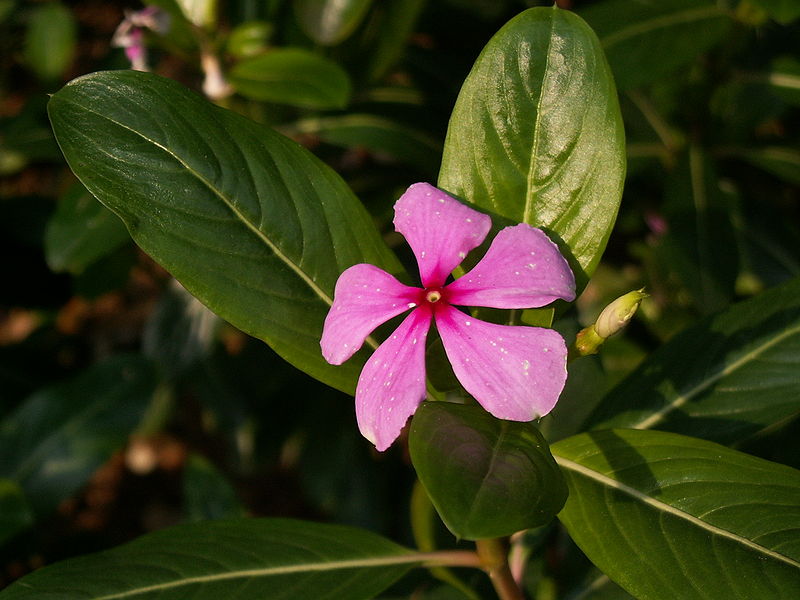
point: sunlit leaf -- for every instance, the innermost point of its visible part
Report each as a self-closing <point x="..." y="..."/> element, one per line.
<point x="668" y="516"/>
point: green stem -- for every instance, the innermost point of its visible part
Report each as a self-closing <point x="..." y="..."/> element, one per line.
<point x="494" y="559"/>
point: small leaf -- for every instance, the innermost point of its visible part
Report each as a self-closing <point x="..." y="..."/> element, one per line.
<point x="81" y="231"/>
<point x="252" y="224"/>
<point x="644" y="41"/>
<point x="50" y="40"/>
<point x="15" y="513"/>
<point x="246" y="559"/>
<point x="783" y="11"/>
<point x="206" y="493"/>
<point x="487" y="478"/>
<point x="396" y="19"/>
<point x="292" y="76"/>
<point x="724" y="379"/>
<point x="665" y="516"/>
<point x="784" y="77"/>
<point x="329" y="22"/>
<point x="783" y="162"/>
<point x="378" y="134"/>
<point x="536" y="134"/>
<point x="59" y="436"/>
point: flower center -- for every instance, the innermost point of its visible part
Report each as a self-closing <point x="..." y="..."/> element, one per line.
<point x="433" y="296"/>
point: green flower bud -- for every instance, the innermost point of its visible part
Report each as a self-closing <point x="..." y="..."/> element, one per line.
<point x="617" y="314"/>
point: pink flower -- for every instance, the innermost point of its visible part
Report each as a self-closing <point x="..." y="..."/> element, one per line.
<point x="514" y="372"/>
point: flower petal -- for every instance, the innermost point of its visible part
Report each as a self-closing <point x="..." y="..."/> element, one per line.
<point x="516" y="373"/>
<point x="365" y="297"/>
<point x="439" y="229"/>
<point x="522" y="269"/>
<point x="392" y="383"/>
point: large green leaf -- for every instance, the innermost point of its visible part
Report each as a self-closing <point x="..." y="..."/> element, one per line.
<point x="293" y="76"/>
<point x="81" y="231"/>
<point x="645" y="40"/>
<point x="728" y="377"/>
<point x="487" y="478"/>
<point x="329" y="22"/>
<point x="59" y="436"/>
<point x="536" y="134"/>
<point x="248" y="221"/>
<point x="668" y="516"/>
<point x="235" y="560"/>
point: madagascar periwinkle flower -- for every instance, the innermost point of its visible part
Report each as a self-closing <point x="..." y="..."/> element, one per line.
<point x="515" y="372"/>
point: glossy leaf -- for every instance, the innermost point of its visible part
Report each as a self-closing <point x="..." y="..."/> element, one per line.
<point x="292" y="76"/>
<point x="724" y="379"/>
<point x="15" y="513"/>
<point x="487" y="478"/>
<point x="536" y="134"/>
<point x="249" y="222"/>
<point x="81" y="231"/>
<point x="644" y="41"/>
<point x="667" y="516"/>
<point x="377" y="134"/>
<point x="50" y="40"/>
<point x="236" y="560"/>
<point x="329" y="22"/>
<point x="59" y="436"/>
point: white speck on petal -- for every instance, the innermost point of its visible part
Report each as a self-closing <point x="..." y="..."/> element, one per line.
<point x="462" y="255"/>
<point x="441" y="200"/>
<point x="412" y="304"/>
<point x="414" y="341"/>
<point x="469" y="220"/>
<point x="422" y="254"/>
<point x="467" y="323"/>
<point x="532" y="265"/>
<point x="526" y="365"/>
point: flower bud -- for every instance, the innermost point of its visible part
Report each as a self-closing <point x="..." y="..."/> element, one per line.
<point x="617" y="314"/>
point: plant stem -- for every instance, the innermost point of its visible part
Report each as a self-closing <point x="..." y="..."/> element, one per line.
<point x="494" y="559"/>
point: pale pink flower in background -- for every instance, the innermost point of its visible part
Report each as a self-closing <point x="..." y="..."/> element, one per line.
<point x="130" y="33"/>
<point x="515" y="372"/>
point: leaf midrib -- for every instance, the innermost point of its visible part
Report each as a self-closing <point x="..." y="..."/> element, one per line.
<point x="400" y="559"/>
<point x="227" y="201"/>
<point x="682" y="399"/>
<point x="658" y="505"/>
<point x="643" y="27"/>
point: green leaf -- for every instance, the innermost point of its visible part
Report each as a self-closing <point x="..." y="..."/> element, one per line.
<point x="487" y="478"/>
<point x="59" y="436"/>
<point x="329" y="22"/>
<point x="782" y="162"/>
<point x="236" y="560"/>
<point x="724" y="379"/>
<point x="378" y="134"/>
<point x="784" y="77"/>
<point x="206" y="493"/>
<point x="536" y="134"/>
<point x="81" y="231"/>
<point x="645" y="40"/>
<point x="50" y="40"/>
<point x="396" y="19"/>
<point x="700" y="244"/>
<point x="783" y="11"/>
<point x="668" y="516"/>
<point x="292" y="76"/>
<point x="252" y="224"/>
<point x="15" y="513"/>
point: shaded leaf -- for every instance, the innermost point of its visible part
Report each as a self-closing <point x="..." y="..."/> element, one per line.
<point x="236" y="560"/>
<point x="249" y="222"/>
<point x="536" y="134"/>
<point x="50" y="40"/>
<point x="292" y="76"/>
<point x="15" y="513"/>
<point x="666" y="516"/>
<point x="783" y="11"/>
<point x="206" y="493"/>
<point x="81" y="231"/>
<point x="487" y="478"/>
<point x="644" y="40"/>
<point x="726" y="378"/>
<point x="59" y="436"/>
<point x="329" y="22"/>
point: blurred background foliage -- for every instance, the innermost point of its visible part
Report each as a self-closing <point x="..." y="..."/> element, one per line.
<point x="128" y="406"/>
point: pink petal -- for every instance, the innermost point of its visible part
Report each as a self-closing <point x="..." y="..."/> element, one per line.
<point x="365" y="297"/>
<point x="392" y="383"/>
<point x="522" y="269"/>
<point x="516" y="373"/>
<point x="439" y="229"/>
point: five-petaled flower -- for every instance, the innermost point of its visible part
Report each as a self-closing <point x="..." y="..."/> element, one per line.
<point x="515" y="372"/>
